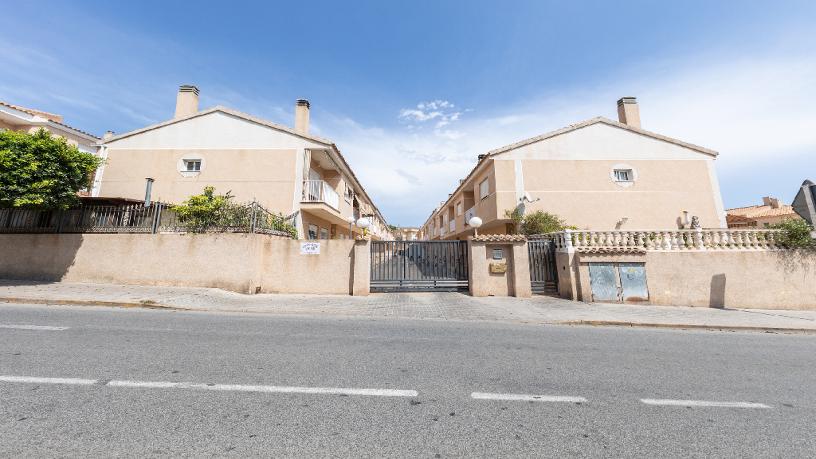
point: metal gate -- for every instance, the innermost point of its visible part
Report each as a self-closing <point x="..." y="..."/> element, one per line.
<point x="543" y="273"/>
<point x="404" y="266"/>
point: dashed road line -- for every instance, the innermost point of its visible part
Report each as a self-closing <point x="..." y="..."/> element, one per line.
<point x="527" y="398"/>
<point x="265" y="389"/>
<point x="703" y="403"/>
<point x="215" y="387"/>
<point x="32" y="327"/>
<point x="36" y="380"/>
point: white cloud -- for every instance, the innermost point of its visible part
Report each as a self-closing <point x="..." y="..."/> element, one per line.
<point x="747" y="109"/>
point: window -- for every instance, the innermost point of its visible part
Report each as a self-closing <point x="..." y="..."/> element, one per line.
<point x="312" y="232"/>
<point x="623" y="175"/>
<point x="324" y="233"/>
<point x="349" y="193"/>
<point x="484" y="189"/>
<point x="459" y="208"/>
<point x="192" y="165"/>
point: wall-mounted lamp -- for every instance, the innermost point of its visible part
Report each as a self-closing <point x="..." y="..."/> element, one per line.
<point x="475" y="222"/>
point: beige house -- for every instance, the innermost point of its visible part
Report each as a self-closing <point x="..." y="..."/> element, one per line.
<point x="598" y="174"/>
<point x="16" y="118"/>
<point x="286" y="170"/>
<point x="406" y="233"/>
<point x="766" y="215"/>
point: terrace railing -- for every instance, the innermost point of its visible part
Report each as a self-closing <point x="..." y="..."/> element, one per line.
<point x="137" y="218"/>
<point x="690" y="239"/>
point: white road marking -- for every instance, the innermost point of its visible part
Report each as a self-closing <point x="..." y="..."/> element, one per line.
<point x="36" y="380"/>
<point x="265" y="389"/>
<point x="705" y="403"/>
<point x="215" y="387"/>
<point x="33" y="327"/>
<point x="527" y="398"/>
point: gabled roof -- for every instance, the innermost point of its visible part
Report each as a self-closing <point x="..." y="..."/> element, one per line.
<point x="228" y="111"/>
<point x="256" y="120"/>
<point x="564" y="130"/>
<point x="48" y="118"/>
<point x="607" y="121"/>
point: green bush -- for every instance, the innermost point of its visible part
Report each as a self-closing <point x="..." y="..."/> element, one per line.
<point x="538" y="222"/>
<point x="40" y="171"/>
<point x="216" y="212"/>
<point x="795" y="234"/>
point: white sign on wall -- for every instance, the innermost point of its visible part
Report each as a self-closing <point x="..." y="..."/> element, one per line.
<point x="310" y="248"/>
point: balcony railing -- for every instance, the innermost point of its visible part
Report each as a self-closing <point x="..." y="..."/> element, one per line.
<point x="320" y="191"/>
<point x="470" y="213"/>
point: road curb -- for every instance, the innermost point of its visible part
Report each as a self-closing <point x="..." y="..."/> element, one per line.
<point x="614" y="323"/>
<point x="148" y="304"/>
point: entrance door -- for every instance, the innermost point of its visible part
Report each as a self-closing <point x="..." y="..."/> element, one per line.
<point x="405" y="266"/>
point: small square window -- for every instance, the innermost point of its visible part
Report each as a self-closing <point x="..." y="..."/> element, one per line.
<point x="192" y="165"/>
<point x="312" y="232"/>
<point x="623" y="175"/>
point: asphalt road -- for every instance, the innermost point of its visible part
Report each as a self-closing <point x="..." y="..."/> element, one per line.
<point x="260" y="385"/>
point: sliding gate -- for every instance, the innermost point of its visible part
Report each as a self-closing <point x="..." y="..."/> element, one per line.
<point x="406" y="266"/>
<point x="543" y="273"/>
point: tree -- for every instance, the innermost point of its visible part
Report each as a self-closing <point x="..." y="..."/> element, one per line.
<point x="41" y="171"/>
<point x="795" y="234"/>
<point x="538" y="222"/>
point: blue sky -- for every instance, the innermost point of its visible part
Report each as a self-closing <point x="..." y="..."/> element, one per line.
<point x="412" y="92"/>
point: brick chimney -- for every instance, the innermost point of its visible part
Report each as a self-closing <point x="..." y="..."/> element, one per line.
<point x="628" y="111"/>
<point x="186" y="101"/>
<point x="770" y="201"/>
<point x="302" y="116"/>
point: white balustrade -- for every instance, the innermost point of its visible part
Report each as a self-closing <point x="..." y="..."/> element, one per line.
<point x="686" y="239"/>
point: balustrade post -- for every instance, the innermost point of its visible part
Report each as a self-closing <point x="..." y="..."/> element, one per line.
<point x="698" y="239"/>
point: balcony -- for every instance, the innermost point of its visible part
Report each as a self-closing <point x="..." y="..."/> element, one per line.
<point x="320" y="191"/>
<point x="470" y="213"/>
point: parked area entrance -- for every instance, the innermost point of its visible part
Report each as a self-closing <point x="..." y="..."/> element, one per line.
<point x="543" y="273"/>
<point x="411" y="266"/>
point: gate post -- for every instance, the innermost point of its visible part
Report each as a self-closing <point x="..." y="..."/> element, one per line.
<point x="361" y="268"/>
<point x="522" y="285"/>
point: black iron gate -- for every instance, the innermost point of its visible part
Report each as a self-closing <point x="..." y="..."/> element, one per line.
<point x="543" y="273"/>
<point x="403" y="266"/>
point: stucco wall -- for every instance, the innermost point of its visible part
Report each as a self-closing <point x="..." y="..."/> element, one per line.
<point x="763" y="279"/>
<point x="236" y="262"/>
<point x="265" y="175"/>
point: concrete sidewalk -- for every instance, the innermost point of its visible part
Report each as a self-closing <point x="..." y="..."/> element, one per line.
<point x="438" y="306"/>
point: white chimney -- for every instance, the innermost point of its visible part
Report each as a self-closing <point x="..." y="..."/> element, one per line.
<point x="628" y="111"/>
<point x="186" y="101"/>
<point x="302" y="116"/>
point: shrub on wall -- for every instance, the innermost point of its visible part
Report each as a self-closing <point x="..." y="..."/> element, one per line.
<point x="217" y="212"/>
<point x="538" y="222"/>
<point x="40" y="171"/>
<point x="796" y="234"/>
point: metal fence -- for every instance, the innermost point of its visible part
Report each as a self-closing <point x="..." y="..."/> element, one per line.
<point x="137" y="218"/>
